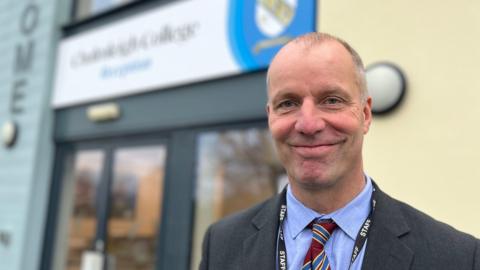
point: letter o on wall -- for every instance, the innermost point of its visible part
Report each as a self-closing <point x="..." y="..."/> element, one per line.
<point x="29" y="19"/>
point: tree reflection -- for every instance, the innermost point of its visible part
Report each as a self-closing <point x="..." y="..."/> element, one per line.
<point x="249" y="166"/>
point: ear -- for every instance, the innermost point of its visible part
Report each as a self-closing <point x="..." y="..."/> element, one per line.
<point x="367" y="115"/>
<point x="267" y="109"/>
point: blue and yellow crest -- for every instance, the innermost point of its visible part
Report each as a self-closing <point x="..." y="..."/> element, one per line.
<point x="259" y="28"/>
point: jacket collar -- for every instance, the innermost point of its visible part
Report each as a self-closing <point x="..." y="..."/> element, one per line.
<point x="259" y="249"/>
<point x="385" y="250"/>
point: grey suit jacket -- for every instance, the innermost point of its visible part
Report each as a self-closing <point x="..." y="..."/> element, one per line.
<point x="401" y="238"/>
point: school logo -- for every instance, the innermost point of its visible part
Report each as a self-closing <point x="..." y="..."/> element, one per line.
<point x="272" y="17"/>
<point x="259" y="28"/>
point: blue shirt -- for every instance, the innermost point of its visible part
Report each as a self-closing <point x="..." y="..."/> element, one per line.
<point x="349" y="220"/>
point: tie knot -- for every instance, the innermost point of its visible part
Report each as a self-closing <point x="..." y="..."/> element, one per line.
<point x="328" y="225"/>
<point x="322" y="230"/>
<point x="316" y="258"/>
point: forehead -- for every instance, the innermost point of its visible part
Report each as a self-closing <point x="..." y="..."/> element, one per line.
<point x="312" y="66"/>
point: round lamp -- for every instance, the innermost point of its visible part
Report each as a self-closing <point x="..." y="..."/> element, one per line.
<point x="386" y="85"/>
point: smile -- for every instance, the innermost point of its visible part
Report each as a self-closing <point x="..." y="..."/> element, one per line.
<point x="314" y="150"/>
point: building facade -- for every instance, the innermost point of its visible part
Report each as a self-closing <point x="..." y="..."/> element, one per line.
<point x="130" y="126"/>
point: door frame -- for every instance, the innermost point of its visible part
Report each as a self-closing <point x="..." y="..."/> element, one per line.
<point x="65" y="153"/>
<point x="177" y="114"/>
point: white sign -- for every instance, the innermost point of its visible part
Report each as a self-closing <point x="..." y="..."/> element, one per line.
<point x="178" y="43"/>
<point x="92" y="260"/>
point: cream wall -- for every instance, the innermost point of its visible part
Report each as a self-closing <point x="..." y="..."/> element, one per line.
<point x="427" y="153"/>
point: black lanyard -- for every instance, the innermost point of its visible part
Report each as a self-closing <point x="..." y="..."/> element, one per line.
<point x="359" y="241"/>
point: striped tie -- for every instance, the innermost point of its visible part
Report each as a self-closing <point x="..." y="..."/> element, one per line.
<point x="316" y="259"/>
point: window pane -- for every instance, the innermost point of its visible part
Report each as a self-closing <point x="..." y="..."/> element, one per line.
<point x="236" y="169"/>
<point x="86" y="177"/>
<point x="87" y="8"/>
<point x="135" y="206"/>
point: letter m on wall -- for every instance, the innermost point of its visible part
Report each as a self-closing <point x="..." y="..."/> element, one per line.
<point x="24" y="57"/>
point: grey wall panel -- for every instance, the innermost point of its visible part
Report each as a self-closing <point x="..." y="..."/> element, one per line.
<point x="238" y="98"/>
<point x="25" y="168"/>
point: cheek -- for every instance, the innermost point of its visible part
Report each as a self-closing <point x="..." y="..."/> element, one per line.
<point x="356" y="113"/>
<point x="340" y="123"/>
<point x="350" y="122"/>
<point x="280" y="128"/>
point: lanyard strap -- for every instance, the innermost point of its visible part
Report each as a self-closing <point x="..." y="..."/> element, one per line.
<point x="282" y="249"/>
<point x="359" y="241"/>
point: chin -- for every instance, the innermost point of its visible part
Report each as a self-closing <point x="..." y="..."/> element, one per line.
<point x="312" y="180"/>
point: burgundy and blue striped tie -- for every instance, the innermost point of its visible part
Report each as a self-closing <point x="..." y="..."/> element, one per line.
<point x="316" y="259"/>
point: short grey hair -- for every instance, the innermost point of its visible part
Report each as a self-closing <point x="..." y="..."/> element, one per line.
<point x="317" y="38"/>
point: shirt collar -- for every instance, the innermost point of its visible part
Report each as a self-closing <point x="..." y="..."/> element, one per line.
<point x="349" y="219"/>
<point x="298" y="215"/>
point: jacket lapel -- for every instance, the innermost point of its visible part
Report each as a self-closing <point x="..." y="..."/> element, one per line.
<point x="385" y="250"/>
<point x="259" y="249"/>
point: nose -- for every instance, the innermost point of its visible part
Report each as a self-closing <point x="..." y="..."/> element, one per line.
<point x="309" y="120"/>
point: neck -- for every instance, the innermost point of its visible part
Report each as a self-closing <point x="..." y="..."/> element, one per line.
<point x="329" y="198"/>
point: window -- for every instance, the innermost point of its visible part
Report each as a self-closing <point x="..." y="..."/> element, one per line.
<point x="111" y="203"/>
<point x="87" y="8"/>
<point x="84" y="182"/>
<point x="135" y="200"/>
<point x="235" y="170"/>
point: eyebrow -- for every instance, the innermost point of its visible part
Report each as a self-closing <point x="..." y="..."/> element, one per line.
<point x="330" y="90"/>
<point x="284" y="93"/>
<point x="335" y="90"/>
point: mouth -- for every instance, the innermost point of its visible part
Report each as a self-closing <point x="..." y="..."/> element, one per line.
<point x="315" y="150"/>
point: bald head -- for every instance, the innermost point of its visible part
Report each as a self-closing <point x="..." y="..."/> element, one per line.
<point x="312" y="40"/>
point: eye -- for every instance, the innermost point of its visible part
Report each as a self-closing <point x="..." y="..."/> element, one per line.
<point x="286" y="104"/>
<point x="332" y="101"/>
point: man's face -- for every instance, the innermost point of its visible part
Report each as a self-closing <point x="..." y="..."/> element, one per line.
<point x="316" y="114"/>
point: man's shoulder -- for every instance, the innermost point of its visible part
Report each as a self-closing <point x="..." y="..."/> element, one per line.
<point x="259" y="221"/>
<point x="424" y="226"/>
<point x="419" y="239"/>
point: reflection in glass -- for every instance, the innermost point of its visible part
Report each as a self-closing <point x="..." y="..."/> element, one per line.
<point x="236" y="169"/>
<point x="86" y="176"/>
<point x="87" y="8"/>
<point x="135" y="205"/>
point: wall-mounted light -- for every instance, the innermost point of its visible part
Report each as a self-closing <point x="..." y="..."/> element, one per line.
<point x="386" y="85"/>
<point x="103" y="112"/>
<point x="9" y="133"/>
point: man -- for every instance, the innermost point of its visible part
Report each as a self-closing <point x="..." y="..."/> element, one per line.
<point x="331" y="215"/>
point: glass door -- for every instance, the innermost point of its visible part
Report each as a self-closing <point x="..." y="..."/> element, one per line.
<point x="135" y="198"/>
<point x="84" y="182"/>
<point x="236" y="168"/>
<point x="111" y="203"/>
